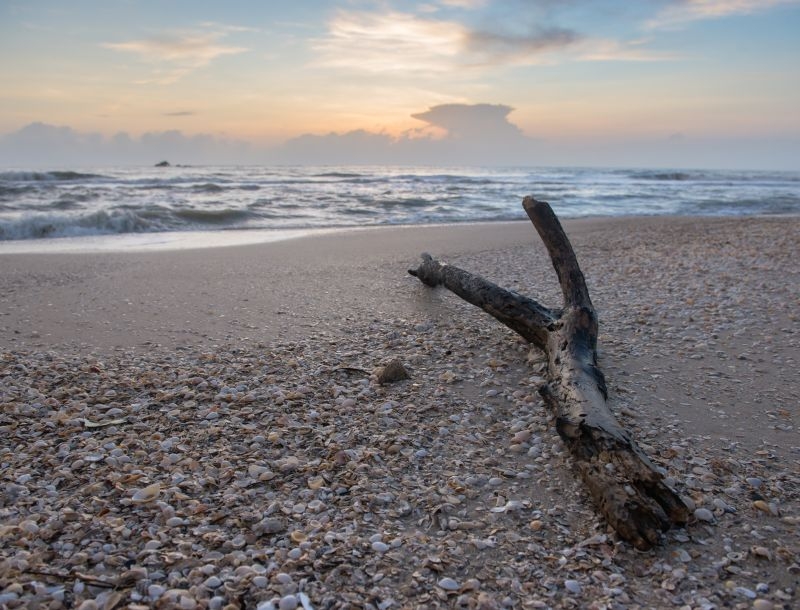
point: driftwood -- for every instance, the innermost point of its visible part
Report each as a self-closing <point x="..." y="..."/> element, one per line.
<point x="623" y="482"/>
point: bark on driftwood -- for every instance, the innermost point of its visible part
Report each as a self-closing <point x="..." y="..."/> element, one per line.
<point x="623" y="482"/>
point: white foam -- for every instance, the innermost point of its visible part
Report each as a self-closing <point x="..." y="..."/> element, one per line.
<point x="154" y="242"/>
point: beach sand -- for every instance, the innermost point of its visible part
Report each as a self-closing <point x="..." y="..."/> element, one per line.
<point x="202" y="427"/>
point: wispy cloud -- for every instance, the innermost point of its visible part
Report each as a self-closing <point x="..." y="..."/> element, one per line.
<point x="507" y="47"/>
<point x="181" y="51"/>
<point x="467" y="4"/>
<point x="391" y="42"/>
<point x="681" y="12"/>
<point x="402" y="42"/>
<point x="603" y="49"/>
<point x="181" y="113"/>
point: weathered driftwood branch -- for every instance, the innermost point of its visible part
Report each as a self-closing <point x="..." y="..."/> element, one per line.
<point x="624" y="483"/>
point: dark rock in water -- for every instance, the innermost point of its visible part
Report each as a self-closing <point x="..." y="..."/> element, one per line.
<point x="163" y="164"/>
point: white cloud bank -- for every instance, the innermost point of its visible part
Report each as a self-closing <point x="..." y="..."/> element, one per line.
<point x="474" y="134"/>
<point x="477" y="134"/>
<point x="43" y="145"/>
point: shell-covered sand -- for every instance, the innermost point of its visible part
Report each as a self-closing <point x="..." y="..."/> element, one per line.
<point x="229" y="453"/>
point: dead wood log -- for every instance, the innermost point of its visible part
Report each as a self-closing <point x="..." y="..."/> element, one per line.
<point x="623" y="482"/>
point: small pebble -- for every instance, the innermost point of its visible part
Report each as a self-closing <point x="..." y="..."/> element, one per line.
<point x="573" y="586"/>
<point x="703" y="514"/>
<point x="283" y="578"/>
<point x="295" y="553"/>
<point x="288" y="602"/>
<point x="186" y="603"/>
<point x="748" y="593"/>
<point x="216" y="603"/>
<point x="155" y="591"/>
<point x="212" y="582"/>
<point x="448" y="584"/>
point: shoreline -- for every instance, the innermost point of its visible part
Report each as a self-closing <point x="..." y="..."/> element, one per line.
<point x="235" y="425"/>
<point x="158" y="241"/>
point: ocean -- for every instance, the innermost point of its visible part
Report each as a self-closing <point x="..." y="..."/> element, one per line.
<point x="48" y="205"/>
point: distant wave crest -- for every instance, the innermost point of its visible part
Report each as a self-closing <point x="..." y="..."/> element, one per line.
<point x="208" y="187"/>
<point x="51" y="176"/>
<point x="337" y="175"/>
<point x="668" y="176"/>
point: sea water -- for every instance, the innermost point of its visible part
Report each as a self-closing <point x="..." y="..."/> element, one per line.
<point x="46" y="205"/>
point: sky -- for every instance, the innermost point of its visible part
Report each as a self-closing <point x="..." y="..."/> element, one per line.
<point x="657" y="83"/>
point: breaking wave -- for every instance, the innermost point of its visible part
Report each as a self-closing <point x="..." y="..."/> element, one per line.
<point x="37" y="226"/>
<point x="61" y="203"/>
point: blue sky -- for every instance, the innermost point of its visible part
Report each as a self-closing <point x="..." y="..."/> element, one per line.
<point x="587" y="82"/>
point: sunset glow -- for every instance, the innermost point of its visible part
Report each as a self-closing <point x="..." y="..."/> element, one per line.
<point x="626" y="76"/>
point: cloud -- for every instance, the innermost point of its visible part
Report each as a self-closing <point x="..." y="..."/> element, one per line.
<point x="507" y="47"/>
<point x="181" y="113"/>
<point x="600" y="49"/>
<point x="681" y="12"/>
<point x="450" y="134"/>
<point x="479" y="134"/>
<point x="472" y="134"/>
<point x="354" y="147"/>
<point x="421" y="45"/>
<point x="390" y="42"/>
<point x="182" y="51"/>
<point x="405" y="43"/>
<point x="465" y="4"/>
<point x="471" y="120"/>
<point x="43" y="145"/>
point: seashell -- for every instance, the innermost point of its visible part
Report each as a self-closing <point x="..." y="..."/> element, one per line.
<point x="146" y="494"/>
<point x="456" y="486"/>
<point x="316" y="483"/>
<point x="523" y="436"/>
<point x="298" y="536"/>
<point x="255" y="470"/>
<point x="761" y="551"/>
<point x="762" y="506"/>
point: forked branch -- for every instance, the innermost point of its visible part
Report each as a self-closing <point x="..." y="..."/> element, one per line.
<point x="623" y="482"/>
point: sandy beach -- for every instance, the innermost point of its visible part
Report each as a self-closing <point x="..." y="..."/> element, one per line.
<point x="203" y="428"/>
